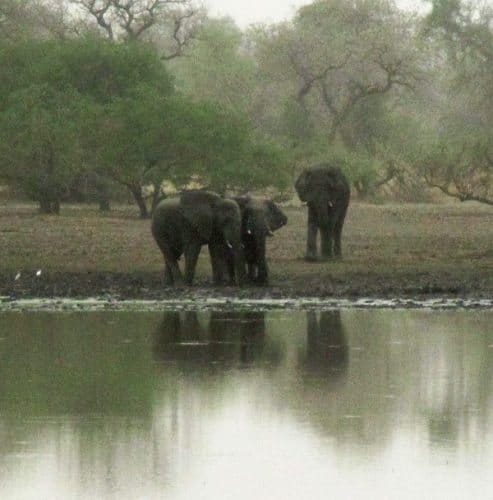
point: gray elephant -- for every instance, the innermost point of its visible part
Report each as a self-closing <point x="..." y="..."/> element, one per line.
<point x="260" y="218"/>
<point x="326" y="190"/>
<point x="182" y="224"/>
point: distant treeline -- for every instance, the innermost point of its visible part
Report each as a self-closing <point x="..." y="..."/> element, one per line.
<point x="100" y="96"/>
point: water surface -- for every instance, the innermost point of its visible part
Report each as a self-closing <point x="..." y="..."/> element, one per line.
<point x="246" y="405"/>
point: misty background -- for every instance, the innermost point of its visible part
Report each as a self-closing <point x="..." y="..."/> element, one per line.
<point x="102" y="100"/>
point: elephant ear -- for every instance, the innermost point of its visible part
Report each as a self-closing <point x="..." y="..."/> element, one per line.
<point x="275" y="217"/>
<point x="200" y="218"/>
<point x="243" y="202"/>
<point x="301" y="185"/>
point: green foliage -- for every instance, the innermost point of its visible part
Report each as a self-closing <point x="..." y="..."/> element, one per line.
<point x="458" y="159"/>
<point x="40" y="149"/>
<point x="340" y="54"/>
<point x="356" y="82"/>
<point x="151" y="138"/>
<point x="95" y="68"/>
<point x="52" y="129"/>
<point x="296" y="122"/>
<point x="218" y="67"/>
<point x="121" y="118"/>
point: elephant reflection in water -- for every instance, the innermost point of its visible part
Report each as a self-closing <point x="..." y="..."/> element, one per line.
<point x="326" y="346"/>
<point x="226" y="338"/>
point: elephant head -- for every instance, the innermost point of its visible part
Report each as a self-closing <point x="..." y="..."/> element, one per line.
<point x="275" y="218"/>
<point x="324" y="188"/>
<point x="260" y="215"/>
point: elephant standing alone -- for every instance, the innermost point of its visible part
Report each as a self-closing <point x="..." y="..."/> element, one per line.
<point x="182" y="224"/>
<point x="326" y="190"/>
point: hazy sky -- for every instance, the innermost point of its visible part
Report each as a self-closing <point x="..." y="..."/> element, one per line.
<point x="245" y="12"/>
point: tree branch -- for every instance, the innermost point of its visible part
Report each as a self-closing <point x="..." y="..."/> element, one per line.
<point x="183" y="41"/>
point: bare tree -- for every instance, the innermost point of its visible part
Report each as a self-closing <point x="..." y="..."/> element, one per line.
<point x="136" y="19"/>
<point x="462" y="167"/>
<point x="466" y="174"/>
<point x="336" y="55"/>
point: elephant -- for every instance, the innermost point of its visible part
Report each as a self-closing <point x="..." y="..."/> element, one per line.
<point x="260" y="218"/>
<point x="326" y="191"/>
<point x="182" y="224"/>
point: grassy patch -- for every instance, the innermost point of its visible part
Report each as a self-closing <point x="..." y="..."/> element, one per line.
<point x="388" y="250"/>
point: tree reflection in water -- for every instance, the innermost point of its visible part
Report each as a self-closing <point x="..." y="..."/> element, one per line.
<point x="140" y="403"/>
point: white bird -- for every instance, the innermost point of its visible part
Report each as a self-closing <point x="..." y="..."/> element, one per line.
<point x="17" y="276"/>
<point x="38" y="272"/>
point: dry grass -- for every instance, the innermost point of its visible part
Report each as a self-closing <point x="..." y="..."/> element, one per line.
<point x="388" y="249"/>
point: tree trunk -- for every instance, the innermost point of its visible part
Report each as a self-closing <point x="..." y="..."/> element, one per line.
<point x="103" y="197"/>
<point x="104" y="205"/>
<point x="363" y="189"/>
<point x="49" y="207"/>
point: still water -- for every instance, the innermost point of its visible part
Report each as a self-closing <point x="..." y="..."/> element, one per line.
<point x="351" y="404"/>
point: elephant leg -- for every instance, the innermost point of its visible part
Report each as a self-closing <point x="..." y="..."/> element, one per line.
<point x="311" y="239"/>
<point x="337" y="241"/>
<point x="168" y="274"/>
<point x="252" y="272"/>
<point x="191" y="255"/>
<point x="261" y="261"/>
<point x="326" y="236"/>
<point x="218" y="263"/>
<point x="230" y="266"/>
<point x="337" y="237"/>
<point x="172" y="273"/>
<point x="263" y="273"/>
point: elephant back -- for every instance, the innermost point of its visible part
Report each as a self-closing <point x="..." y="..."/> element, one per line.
<point x="164" y="213"/>
<point x="197" y="208"/>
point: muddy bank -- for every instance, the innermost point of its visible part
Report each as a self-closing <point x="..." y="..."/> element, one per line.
<point x="391" y="251"/>
<point x="149" y="286"/>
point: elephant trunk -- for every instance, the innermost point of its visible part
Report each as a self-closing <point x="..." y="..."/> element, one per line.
<point x="233" y="242"/>
<point x="322" y="209"/>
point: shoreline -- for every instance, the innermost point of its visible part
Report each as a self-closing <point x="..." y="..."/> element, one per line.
<point x="391" y="252"/>
<point x="96" y="304"/>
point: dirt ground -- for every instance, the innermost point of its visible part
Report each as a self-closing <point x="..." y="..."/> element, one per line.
<point x="389" y="251"/>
